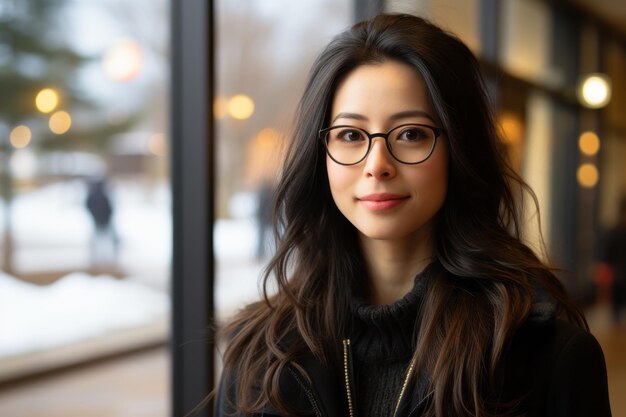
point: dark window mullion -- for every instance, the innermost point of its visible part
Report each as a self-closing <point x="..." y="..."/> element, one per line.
<point x="192" y="187"/>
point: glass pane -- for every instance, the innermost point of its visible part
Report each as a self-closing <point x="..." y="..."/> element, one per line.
<point x="525" y="27"/>
<point x="460" y="17"/>
<point x="262" y="62"/>
<point x="84" y="182"/>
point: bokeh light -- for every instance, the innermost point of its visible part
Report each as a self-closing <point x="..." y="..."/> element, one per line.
<point x="267" y="138"/>
<point x="124" y="61"/>
<point x="589" y="143"/>
<point x="595" y="91"/>
<point x="47" y="100"/>
<point x="20" y="136"/>
<point x="60" y="122"/>
<point x="240" y="107"/>
<point x="587" y="175"/>
<point x="512" y="128"/>
<point x="220" y="107"/>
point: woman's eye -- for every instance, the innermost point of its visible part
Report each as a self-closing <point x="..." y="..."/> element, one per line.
<point x="350" y="135"/>
<point x="413" y="134"/>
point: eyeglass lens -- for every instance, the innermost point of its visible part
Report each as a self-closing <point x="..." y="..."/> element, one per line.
<point x="410" y="144"/>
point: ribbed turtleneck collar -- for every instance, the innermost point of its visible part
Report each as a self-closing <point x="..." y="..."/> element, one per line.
<point x="384" y="333"/>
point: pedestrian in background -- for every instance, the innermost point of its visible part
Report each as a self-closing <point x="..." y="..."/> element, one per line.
<point x="104" y="240"/>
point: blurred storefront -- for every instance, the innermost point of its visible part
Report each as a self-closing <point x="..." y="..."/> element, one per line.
<point x="536" y="56"/>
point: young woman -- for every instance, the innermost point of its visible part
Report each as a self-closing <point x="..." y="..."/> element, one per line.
<point x="403" y="286"/>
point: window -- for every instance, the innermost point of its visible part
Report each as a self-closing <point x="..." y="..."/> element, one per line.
<point x="85" y="224"/>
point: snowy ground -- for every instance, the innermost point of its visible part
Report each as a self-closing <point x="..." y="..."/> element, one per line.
<point x="76" y="307"/>
<point x="52" y="232"/>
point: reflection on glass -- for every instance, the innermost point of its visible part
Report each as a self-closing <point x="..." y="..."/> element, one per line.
<point x="84" y="190"/>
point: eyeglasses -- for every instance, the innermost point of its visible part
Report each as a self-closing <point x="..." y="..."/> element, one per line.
<point x="408" y="143"/>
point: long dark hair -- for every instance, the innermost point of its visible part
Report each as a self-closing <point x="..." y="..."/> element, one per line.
<point x="486" y="289"/>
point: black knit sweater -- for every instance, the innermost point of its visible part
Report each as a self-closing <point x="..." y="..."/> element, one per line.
<point x="382" y="346"/>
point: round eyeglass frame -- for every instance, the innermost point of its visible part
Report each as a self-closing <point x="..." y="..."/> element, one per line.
<point x="437" y="131"/>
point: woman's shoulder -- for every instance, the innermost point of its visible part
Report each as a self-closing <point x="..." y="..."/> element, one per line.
<point x="555" y="338"/>
<point x="558" y="368"/>
<point x="547" y="345"/>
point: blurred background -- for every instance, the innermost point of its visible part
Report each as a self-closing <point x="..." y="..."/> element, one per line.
<point x="85" y="177"/>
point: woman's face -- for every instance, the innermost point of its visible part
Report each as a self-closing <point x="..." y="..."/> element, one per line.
<point x="383" y="198"/>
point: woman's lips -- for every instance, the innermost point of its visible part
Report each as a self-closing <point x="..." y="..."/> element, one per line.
<point x="379" y="202"/>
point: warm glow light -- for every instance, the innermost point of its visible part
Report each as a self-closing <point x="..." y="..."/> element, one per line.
<point x="47" y="100"/>
<point x="60" y="122"/>
<point x="267" y="138"/>
<point x="157" y="144"/>
<point x="595" y="91"/>
<point x="587" y="175"/>
<point x="240" y="107"/>
<point x="220" y="107"/>
<point x="589" y="143"/>
<point x="124" y="61"/>
<point x="512" y="128"/>
<point x="20" y="136"/>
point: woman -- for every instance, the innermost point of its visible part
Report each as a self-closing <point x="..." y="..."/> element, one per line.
<point x="403" y="286"/>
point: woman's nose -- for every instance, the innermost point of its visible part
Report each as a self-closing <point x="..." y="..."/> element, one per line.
<point x="379" y="162"/>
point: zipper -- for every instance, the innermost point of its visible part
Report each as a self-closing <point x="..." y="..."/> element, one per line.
<point x="346" y="372"/>
<point x="404" y="384"/>
<point x="309" y="393"/>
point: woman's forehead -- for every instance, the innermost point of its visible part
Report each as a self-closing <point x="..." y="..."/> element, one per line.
<point x="388" y="91"/>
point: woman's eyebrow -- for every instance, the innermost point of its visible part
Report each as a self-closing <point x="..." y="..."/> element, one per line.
<point x="354" y="116"/>
<point x="396" y="116"/>
<point x="411" y="113"/>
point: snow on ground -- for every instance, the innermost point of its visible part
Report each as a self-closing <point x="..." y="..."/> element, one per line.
<point x="75" y="307"/>
<point x="52" y="231"/>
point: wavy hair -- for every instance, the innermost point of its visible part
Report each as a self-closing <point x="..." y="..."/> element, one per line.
<point x="485" y="292"/>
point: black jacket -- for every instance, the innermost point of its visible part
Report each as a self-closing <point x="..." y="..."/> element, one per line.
<point x="553" y="368"/>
